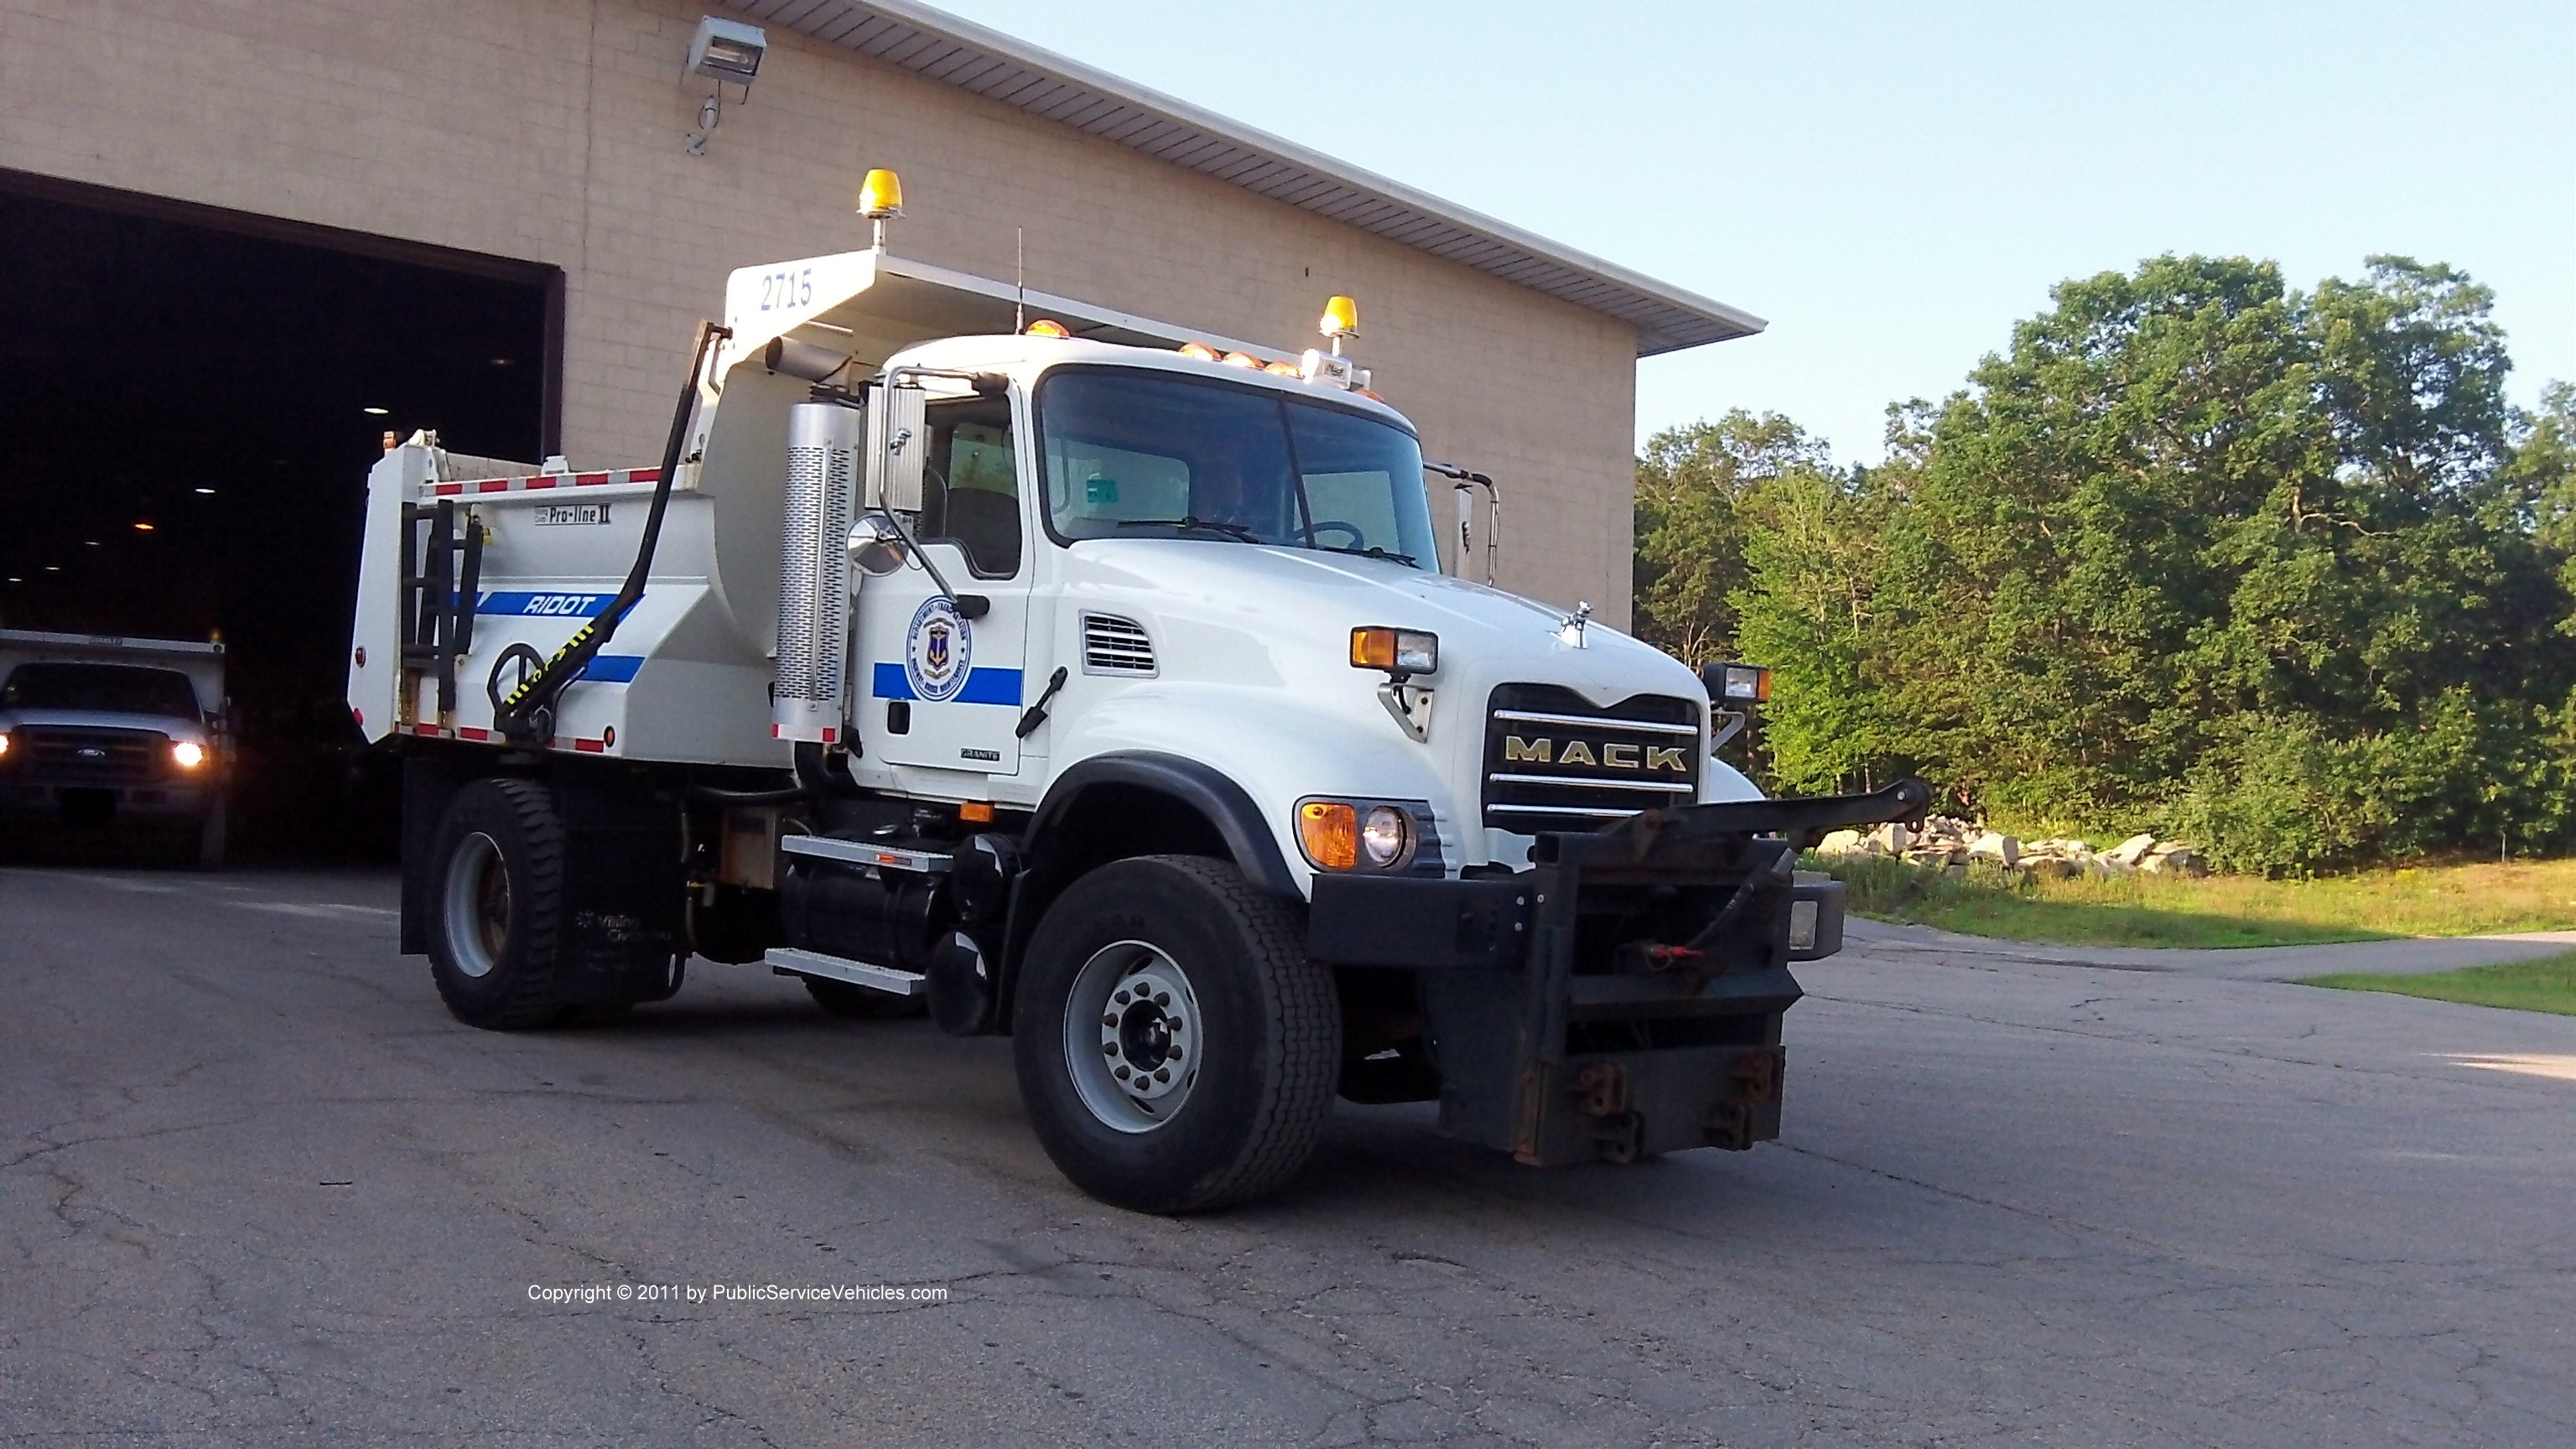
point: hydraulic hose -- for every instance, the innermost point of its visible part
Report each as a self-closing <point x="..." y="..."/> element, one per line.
<point x="527" y="715"/>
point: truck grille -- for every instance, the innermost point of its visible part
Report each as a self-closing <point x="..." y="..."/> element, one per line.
<point x="92" y="756"/>
<point x="1555" y="761"/>
<point x="1111" y="645"/>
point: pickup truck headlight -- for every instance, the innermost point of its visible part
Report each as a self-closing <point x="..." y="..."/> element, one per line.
<point x="4" y="744"/>
<point x="188" y="754"/>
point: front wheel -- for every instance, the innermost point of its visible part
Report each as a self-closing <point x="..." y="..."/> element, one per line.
<point x="1176" y="1049"/>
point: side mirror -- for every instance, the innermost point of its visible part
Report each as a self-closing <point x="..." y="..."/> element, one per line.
<point x="898" y="446"/>
<point x="877" y="547"/>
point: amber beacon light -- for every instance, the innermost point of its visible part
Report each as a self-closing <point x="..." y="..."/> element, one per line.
<point x="881" y="200"/>
<point x="1341" y="319"/>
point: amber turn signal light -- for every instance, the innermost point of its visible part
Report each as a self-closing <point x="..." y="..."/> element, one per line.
<point x="1329" y="832"/>
<point x="1403" y="652"/>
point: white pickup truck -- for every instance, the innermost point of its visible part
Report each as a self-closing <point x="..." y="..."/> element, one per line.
<point x="100" y="732"/>
<point x="1095" y="683"/>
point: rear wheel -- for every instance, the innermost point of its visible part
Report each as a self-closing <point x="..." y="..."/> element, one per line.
<point x="1176" y="1049"/>
<point x="495" y="906"/>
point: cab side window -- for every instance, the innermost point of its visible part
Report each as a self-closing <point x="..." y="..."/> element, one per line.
<point x="970" y="493"/>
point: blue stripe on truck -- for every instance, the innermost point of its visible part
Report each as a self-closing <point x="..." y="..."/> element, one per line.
<point x="983" y="686"/>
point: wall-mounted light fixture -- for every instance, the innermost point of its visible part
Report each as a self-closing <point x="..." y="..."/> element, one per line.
<point x="727" y="52"/>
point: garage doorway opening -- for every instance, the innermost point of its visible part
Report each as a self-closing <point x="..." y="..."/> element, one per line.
<point x="190" y="400"/>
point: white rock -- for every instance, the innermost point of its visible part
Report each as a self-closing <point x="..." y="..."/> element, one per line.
<point x="2172" y="857"/>
<point x="1992" y="846"/>
<point x="2131" y="850"/>
<point x="1840" y="842"/>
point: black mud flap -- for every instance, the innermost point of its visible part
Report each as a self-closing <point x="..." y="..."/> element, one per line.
<point x="625" y="892"/>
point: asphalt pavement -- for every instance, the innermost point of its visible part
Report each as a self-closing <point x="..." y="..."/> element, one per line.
<point x="257" y="1188"/>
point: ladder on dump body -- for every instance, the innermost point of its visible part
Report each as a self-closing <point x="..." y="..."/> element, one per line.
<point x="441" y="583"/>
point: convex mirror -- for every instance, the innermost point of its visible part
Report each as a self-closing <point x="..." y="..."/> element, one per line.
<point x="876" y="545"/>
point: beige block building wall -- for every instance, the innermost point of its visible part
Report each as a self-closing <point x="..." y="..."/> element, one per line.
<point x="550" y="131"/>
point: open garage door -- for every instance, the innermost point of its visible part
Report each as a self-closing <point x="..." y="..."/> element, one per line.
<point x="189" y="403"/>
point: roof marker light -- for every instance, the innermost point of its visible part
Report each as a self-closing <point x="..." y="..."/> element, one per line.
<point x="1199" y="350"/>
<point x="1048" y="327"/>
<point x="1241" y="359"/>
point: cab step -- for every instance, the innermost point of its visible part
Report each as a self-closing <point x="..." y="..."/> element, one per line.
<point x="789" y="961"/>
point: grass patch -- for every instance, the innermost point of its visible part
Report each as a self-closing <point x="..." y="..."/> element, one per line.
<point x="2548" y="984"/>
<point x="2149" y="910"/>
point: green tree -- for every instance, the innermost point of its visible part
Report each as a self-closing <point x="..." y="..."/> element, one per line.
<point x="2285" y="570"/>
<point x="1691" y="482"/>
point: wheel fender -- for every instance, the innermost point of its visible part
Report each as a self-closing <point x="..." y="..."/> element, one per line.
<point x="1226" y="806"/>
<point x="1201" y="786"/>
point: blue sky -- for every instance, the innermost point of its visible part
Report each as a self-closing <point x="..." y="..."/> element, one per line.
<point x="1893" y="186"/>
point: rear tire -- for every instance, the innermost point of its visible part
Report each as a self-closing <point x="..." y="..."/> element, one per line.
<point x="1236" y="1035"/>
<point x="496" y="906"/>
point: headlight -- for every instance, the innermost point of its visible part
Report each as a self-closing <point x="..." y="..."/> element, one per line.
<point x="1355" y="835"/>
<point x="1400" y="652"/>
<point x="189" y="754"/>
<point x="1736" y="684"/>
<point x="4" y="744"/>
<point x="1386" y="835"/>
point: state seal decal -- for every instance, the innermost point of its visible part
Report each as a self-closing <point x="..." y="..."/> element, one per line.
<point x="939" y="651"/>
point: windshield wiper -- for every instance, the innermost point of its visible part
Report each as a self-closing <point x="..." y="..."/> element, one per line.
<point x="1231" y="530"/>
<point x="1372" y="551"/>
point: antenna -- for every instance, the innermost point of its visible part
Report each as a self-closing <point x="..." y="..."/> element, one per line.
<point x="1020" y="278"/>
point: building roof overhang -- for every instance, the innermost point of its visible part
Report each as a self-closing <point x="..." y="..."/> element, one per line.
<point x="988" y="63"/>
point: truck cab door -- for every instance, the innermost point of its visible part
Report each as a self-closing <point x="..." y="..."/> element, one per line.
<point x="932" y="687"/>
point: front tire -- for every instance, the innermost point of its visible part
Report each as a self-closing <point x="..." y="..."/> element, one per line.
<point x="496" y="906"/>
<point x="1176" y="1049"/>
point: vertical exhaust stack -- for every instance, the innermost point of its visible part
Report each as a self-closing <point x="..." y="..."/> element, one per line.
<point x="814" y="572"/>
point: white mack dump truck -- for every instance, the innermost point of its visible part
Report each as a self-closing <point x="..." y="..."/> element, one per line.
<point x="1093" y="690"/>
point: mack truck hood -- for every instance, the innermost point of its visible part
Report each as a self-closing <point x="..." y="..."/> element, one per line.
<point x="1293" y="606"/>
<point x="1252" y="649"/>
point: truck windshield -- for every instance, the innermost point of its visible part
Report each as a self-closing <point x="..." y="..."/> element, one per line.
<point x="1131" y="453"/>
<point x="105" y="688"/>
